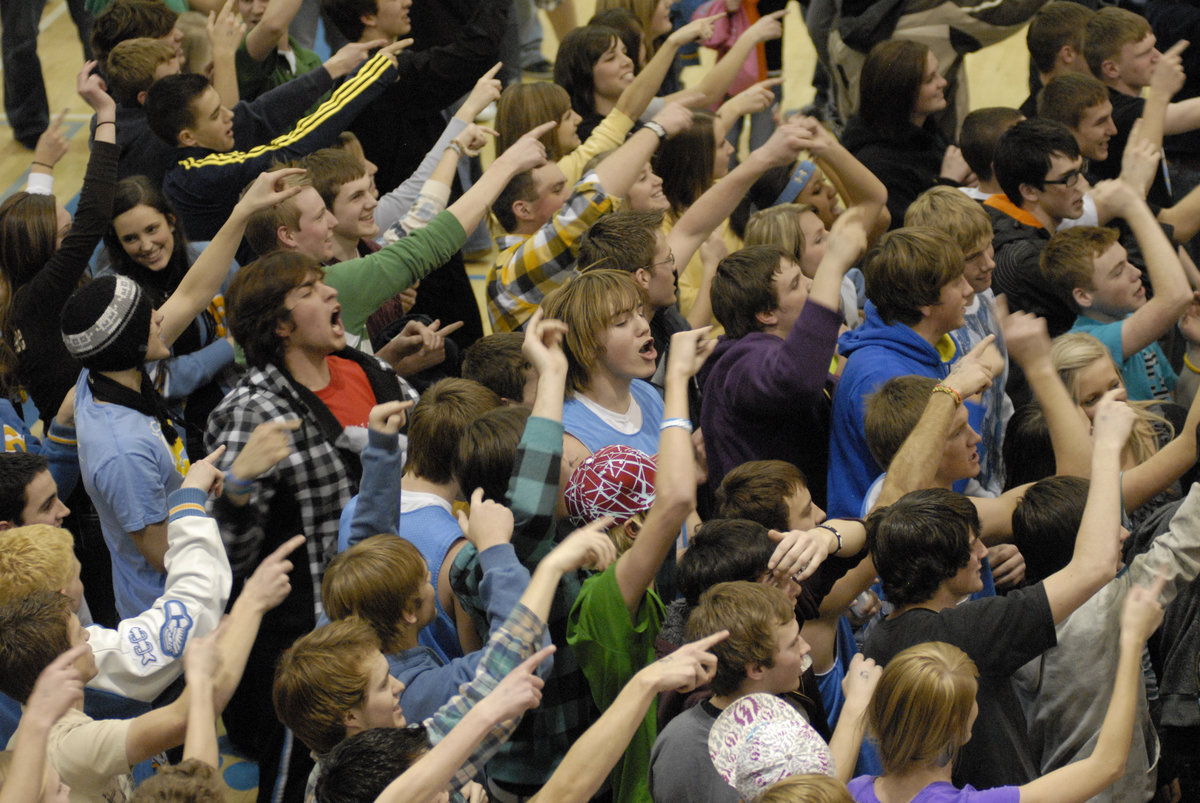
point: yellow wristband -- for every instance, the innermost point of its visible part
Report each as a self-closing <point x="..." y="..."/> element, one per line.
<point x="1190" y="366"/>
<point x="943" y="388"/>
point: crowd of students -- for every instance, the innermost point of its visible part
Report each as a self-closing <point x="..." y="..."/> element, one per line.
<point x="588" y="556"/>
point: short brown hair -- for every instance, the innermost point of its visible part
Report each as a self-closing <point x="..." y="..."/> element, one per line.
<point x="320" y="678"/>
<point x="496" y="361"/>
<point x="587" y="305"/>
<point x="750" y="612"/>
<point x="36" y="557"/>
<point x="262" y="227"/>
<point x="743" y="286"/>
<point x="330" y="168"/>
<point x="1056" y="24"/>
<point x="487" y="451"/>
<point x="921" y="707"/>
<point x="1069" y="259"/>
<point x="129" y="19"/>
<point x="807" y="788"/>
<point x="892" y="412"/>
<point x="1109" y="30"/>
<point x="907" y="269"/>
<point x="949" y="209"/>
<point x="379" y="579"/>
<point x="438" y="421"/>
<point x="523" y="107"/>
<point x="131" y="67"/>
<point x="190" y="781"/>
<point x="255" y="303"/>
<point x="624" y="240"/>
<point x="758" y="491"/>
<point x="1067" y="97"/>
<point x="519" y="188"/>
<point x="34" y="630"/>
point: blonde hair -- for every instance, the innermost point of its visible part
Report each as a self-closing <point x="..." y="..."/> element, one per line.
<point x="950" y="210"/>
<point x="779" y="226"/>
<point x="36" y="557"/>
<point x="807" y="788"/>
<point x="131" y="67"/>
<point x="197" y="50"/>
<point x="1069" y="260"/>
<point x="921" y="708"/>
<point x="1071" y="354"/>
<point x="587" y="305"/>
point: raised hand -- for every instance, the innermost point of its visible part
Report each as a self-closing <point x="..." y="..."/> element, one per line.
<point x="520" y="690"/>
<point x="205" y="475"/>
<point x="388" y="418"/>
<point x="1025" y="334"/>
<point x="589" y="547"/>
<point x="57" y="689"/>
<point x="688" y="668"/>
<point x="543" y="344"/>
<point x="1142" y="612"/>
<point x="93" y="90"/>
<point x="269" y="443"/>
<point x="348" y="57"/>
<point x="754" y="98"/>
<point x="52" y="144"/>
<point x="954" y="166"/>
<point x="698" y="30"/>
<point x="1113" y="421"/>
<point x="202" y="656"/>
<point x="269" y="585"/>
<point x="1139" y="162"/>
<point x="489" y="523"/>
<point x="973" y="372"/>
<point x="799" y="553"/>
<point x="487" y="90"/>
<point x="847" y="238"/>
<point x="675" y="118"/>
<point x="527" y="152"/>
<point x="1008" y="565"/>
<point x="768" y="27"/>
<point x="689" y="349"/>
<point x="225" y="29"/>
<point x="862" y="676"/>
<point x="474" y="138"/>
<point x="1168" y="76"/>
<point x="418" y="346"/>
<point x="268" y="189"/>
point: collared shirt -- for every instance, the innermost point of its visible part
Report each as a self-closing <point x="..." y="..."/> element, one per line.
<point x="530" y="266"/>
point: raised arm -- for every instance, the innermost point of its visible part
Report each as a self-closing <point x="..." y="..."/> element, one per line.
<point x="855" y="183"/>
<point x="596" y="752"/>
<point x="707" y="212"/>
<point x="862" y="676"/>
<point x="201" y="663"/>
<point x="675" y="479"/>
<point x="915" y="463"/>
<point x="1087" y="777"/>
<point x="1098" y="546"/>
<point x="622" y="167"/>
<point x="58" y="688"/>
<point x="716" y="82"/>
<point x="225" y="30"/>
<point x="1143" y="482"/>
<point x="637" y="96"/>
<point x="203" y="280"/>
<point x="378" y="507"/>
<point x="264" y="37"/>
<point x="525" y="154"/>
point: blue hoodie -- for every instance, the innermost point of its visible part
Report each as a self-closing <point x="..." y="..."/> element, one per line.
<point x="876" y="352"/>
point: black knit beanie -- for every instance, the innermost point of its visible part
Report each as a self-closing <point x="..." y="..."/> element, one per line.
<point x="106" y="324"/>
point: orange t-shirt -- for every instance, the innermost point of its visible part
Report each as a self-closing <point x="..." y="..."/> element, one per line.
<point x="348" y="395"/>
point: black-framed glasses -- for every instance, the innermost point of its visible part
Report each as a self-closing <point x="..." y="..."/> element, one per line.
<point x="1071" y="178"/>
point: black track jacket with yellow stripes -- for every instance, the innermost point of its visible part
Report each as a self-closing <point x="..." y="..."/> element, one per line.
<point x="204" y="185"/>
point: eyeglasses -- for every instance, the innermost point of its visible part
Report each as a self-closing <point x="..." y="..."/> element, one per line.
<point x="670" y="260"/>
<point x="1071" y="178"/>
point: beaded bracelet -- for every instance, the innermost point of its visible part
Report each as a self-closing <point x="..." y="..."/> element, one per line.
<point x="682" y="423"/>
<point x="836" y="535"/>
<point x="944" y="388"/>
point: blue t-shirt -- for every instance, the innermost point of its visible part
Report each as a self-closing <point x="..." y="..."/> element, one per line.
<point x="1147" y="373"/>
<point x="595" y="434"/>
<point x="128" y="470"/>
